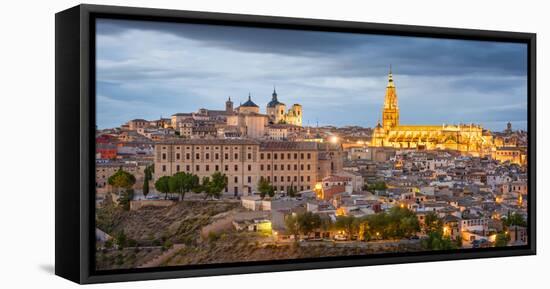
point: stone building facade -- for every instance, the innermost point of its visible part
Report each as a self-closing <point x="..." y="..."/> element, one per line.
<point x="245" y="161"/>
<point x="278" y="113"/>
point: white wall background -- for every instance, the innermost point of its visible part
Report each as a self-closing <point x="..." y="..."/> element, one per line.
<point x="27" y="143"/>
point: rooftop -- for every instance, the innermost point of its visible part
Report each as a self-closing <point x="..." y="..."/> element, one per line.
<point x="249" y="103"/>
<point x="209" y="142"/>
<point x="284" y="145"/>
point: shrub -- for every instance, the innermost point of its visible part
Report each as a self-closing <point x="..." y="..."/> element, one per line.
<point x="213" y="237"/>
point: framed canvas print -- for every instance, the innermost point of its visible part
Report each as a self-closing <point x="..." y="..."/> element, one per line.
<point x="195" y="144"/>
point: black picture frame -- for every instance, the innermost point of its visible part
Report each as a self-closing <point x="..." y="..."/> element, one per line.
<point x="75" y="142"/>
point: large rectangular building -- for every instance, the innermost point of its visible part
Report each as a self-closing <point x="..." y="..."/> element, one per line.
<point x="245" y="161"/>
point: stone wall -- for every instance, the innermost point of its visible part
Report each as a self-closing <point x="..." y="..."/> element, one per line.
<point x="136" y="205"/>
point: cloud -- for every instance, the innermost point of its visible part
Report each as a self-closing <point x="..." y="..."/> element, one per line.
<point x="339" y="78"/>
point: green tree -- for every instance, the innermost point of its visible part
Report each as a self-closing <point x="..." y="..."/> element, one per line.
<point x="121" y="239"/>
<point x="162" y="185"/>
<point x="436" y="241"/>
<point x="291" y="224"/>
<point x="121" y="180"/>
<point x="403" y="223"/>
<point x="502" y="239"/>
<point x="364" y="231"/>
<point x="378" y="225"/>
<point x="514" y="219"/>
<point x="408" y="226"/>
<point x="347" y="224"/>
<point x="376" y="186"/>
<point x="183" y="183"/>
<point x="146" y="178"/>
<point x="125" y="198"/>
<point x="216" y="185"/>
<point x="204" y="186"/>
<point x="396" y="223"/>
<point x="433" y="223"/>
<point x="308" y="222"/>
<point x="145" y="187"/>
<point x="265" y="188"/>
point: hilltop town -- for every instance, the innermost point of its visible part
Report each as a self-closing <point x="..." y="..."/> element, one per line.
<point x="240" y="184"/>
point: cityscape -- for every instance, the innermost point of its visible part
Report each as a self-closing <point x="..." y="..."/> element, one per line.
<point x="255" y="182"/>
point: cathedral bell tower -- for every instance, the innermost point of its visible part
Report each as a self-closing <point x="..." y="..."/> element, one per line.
<point x="390" y="112"/>
<point x="229" y="105"/>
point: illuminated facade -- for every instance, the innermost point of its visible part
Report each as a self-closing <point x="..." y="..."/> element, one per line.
<point x="279" y="115"/>
<point x="466" y="138"/>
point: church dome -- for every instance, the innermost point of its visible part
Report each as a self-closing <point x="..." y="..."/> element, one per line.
<point x="249" y="103"/>
<point x="274" y="101"/>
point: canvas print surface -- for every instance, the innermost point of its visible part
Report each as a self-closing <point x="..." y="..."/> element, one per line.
<point x="224" y="144"/>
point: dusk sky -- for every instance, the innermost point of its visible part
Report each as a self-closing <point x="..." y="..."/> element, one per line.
<point x="150" y="69"/>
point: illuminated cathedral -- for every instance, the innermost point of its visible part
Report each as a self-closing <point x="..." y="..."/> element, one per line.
<point x="466" y="138"/>
<point x="278" y="114"/>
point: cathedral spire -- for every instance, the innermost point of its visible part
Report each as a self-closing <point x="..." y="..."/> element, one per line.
<point x="390" y="112"/>
<point x="274" y="95"/>
<point x="390" y="79"/>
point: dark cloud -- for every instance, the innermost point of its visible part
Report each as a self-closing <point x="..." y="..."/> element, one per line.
<point x="339" y="78"/>
<point x="360" y="54"/>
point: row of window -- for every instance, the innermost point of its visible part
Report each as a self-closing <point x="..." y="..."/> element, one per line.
<point x="508" y="153"/>
<point x="282" y="156"/>
<point x="207" y="148"/>
<point x="207" y="168"/>
<point x="289" y="179"/>
<point x="283" y="189"/>
<point x="282" y="167"/>
<point x="474" y="222"/>
<point x="236" y="167"/>
<point x="236" y="156"/>
<point x="206" y="156"/>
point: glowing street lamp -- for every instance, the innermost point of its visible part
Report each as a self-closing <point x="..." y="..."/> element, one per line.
<point x="446" y="231"/>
